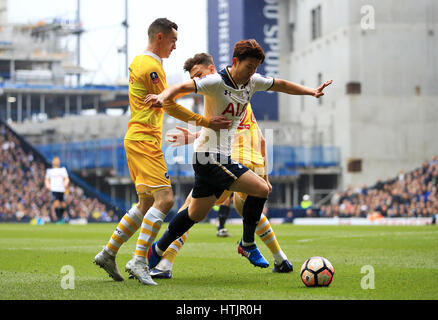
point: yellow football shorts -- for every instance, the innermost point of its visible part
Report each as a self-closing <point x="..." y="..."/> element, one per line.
<point x="146" y="166"/>
<point x="257" y="168"/>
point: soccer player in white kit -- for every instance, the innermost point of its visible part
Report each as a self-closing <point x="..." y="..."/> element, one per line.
<point x="57" y="182"/>
<point x="226" y="93"/>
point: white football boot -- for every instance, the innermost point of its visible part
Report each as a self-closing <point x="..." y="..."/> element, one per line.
<point x="128" y="267"/>
<point x="108" y="263"/>
<point x="223" y="233"/>
<point x="140" y="271"/>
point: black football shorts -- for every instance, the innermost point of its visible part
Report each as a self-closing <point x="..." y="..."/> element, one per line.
<point x="214" y="173"/>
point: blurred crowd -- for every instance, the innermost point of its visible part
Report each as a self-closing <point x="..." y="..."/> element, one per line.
<point x="23" y="196"/>
<point x="412" y="194"/>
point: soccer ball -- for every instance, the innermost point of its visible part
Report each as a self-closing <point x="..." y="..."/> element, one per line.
<point x="317" y="272"/>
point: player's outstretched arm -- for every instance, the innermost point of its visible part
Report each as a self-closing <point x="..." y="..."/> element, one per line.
<point x="157" y="101"/>
<point x="297" y="89"/>
<point x="166" y="99"/>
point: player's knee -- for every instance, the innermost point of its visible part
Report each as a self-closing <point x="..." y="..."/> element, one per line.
<point x="169" y="203"/>
<point x="262" y="189"/>
<point x="143" y="206"/>
<point x="198" y="216"/>
<point x="198" y="210"/>
<point x="165" y="203"/>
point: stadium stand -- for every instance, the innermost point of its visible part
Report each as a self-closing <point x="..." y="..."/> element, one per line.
<point x="22" y="193"/>
<point x="412" y="194"/>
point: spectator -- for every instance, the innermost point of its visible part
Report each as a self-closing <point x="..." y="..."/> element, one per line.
<point x="289" y="216"/>
<point x="379" y="185"/>
<point x="323" y="211"/>
<point x="310" y="213"/>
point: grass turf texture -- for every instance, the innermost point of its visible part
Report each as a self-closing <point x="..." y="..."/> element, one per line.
<point x="405" y="261"/>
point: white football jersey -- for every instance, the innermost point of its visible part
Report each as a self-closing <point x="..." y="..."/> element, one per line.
<point x="222" y="97"/>
<point x="56" y="177"/>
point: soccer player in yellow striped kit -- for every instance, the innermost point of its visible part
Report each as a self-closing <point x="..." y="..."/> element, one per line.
<point x="145" y="158"/>
<point x="249" y="149"/>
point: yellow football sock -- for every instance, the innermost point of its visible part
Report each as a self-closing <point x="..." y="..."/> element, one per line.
<point x="150" y="227"/>
<point x="172" y="251"/>
<point x="267" y="235"/>
<point x="127" y="226"/>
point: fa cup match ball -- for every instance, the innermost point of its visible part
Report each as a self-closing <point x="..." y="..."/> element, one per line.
<point x="317" y="272"/>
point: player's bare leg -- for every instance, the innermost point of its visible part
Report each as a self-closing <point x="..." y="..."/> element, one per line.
<point x="199" y="207"/>
<point x="251" y="184"/>
<point x="54" y="210"/>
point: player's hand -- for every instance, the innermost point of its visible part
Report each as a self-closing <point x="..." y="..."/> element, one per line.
<point x="319" y="91"/>
<point x="181" y="137"/>
<point x="155" y="100"/>
<point x="219" y="122"/>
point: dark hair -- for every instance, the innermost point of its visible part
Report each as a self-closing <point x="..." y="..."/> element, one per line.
<point x="248" y="49"/>
<point x="199" y="58"/>
<point x="161" y="25"/>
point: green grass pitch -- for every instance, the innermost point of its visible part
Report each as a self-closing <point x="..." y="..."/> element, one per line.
<point x="404" y="261"/>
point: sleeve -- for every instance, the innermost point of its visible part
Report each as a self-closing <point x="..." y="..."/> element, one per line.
<point x="48" y="174"/>
<point x="262" y="83"/>
<point x="148" y="75"/>
<point x="64" y="172"/>
<point x="207" y="85"/>
<point x="155" y="81"/>
<point x="178" y="111"/>
<point x="144" y="79"/>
